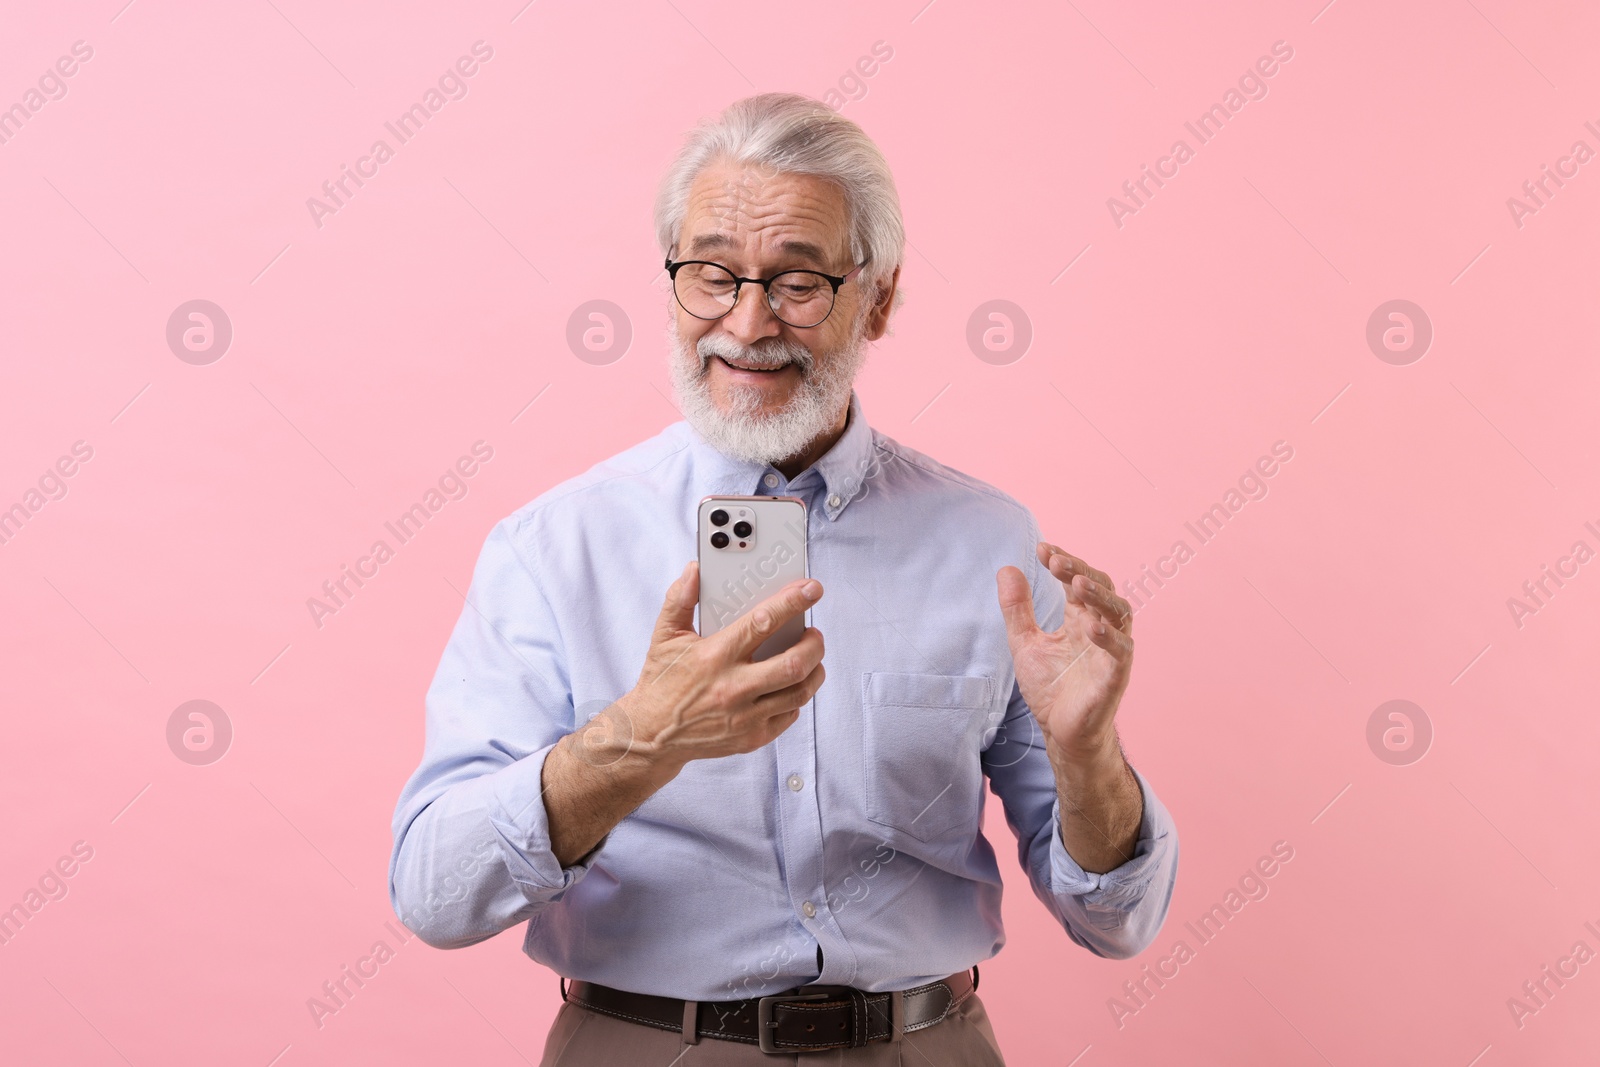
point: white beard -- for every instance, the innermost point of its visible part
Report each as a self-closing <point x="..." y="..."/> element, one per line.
<point x="745" y="432"/>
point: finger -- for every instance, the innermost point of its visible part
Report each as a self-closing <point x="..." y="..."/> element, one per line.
<point x="763" y="620"/>
<point x="1103" y="600"/>
<point x="1061" y="570"/>
<point x="793" y="697"/>
<point x="1112" y="640"/>
<point x="677" y="612"/>
<point x="777" y="724"/>
<point x="1064" y="564"/>
<point x="1016" y="603"/>
<point x="1079" y="580"/>
<point x="1072" y="564"/>
<point x="785" y="669"/>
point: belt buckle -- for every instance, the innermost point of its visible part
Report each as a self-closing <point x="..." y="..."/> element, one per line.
<point x="765" y="1023"/>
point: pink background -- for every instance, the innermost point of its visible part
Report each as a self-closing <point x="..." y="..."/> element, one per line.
<point x="1227" y="314"/>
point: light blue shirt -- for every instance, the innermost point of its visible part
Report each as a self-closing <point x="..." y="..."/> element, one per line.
<point x="850" y="849"/>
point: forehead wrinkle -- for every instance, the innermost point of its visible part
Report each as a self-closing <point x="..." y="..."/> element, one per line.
<point x="774" y="243"/>
<point x="763" y="216"/>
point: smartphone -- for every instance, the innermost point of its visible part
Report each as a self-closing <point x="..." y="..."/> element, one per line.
<point x="749" y="548"/>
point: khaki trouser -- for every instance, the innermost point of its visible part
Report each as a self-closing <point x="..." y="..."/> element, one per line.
<point x="583" y="1038"/>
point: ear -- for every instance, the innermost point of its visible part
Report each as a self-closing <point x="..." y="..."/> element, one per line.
<point x="878" y="317"/>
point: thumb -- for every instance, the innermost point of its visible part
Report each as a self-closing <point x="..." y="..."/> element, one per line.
<point x="677" y="612"/>
<point x="1016" y="604"/>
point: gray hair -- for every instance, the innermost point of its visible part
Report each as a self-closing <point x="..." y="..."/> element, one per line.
<point x="789" y="133"/>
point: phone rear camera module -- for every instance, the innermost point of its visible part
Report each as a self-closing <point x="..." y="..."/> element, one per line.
<point x="719" y="518"/>
<point x="742" y="528"/>
<point x="719" y="539"/>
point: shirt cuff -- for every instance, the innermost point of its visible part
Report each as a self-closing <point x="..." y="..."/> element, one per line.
<point x="1123" y="886"/>
<point x="518" y="814"/>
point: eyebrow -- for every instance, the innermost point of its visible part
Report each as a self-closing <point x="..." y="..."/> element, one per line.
<point x="716" y="242"/>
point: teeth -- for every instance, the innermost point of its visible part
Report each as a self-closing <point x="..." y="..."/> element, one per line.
<point x="741" y="366"/>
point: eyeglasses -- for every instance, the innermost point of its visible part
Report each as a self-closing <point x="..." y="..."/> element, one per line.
<point x="798" y="298"/>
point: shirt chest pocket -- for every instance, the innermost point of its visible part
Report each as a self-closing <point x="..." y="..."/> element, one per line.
<point x="922" y="737"/>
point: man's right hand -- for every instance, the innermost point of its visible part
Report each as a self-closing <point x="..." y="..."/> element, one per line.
<point x="702" y="697"/>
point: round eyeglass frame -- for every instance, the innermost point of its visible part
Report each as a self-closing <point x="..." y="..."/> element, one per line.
<point x="834" y="280"/>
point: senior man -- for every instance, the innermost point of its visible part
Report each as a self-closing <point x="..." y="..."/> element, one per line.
<point x="739" y="860"/>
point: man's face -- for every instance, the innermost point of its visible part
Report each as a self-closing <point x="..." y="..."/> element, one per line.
<point x="756" y="223"/>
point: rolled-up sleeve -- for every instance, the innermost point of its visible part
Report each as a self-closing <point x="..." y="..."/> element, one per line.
<point x="472" y="852"/>
<point x="1115" y="914"/>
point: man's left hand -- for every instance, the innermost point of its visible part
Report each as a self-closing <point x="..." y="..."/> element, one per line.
<point x="1072" y="679"/>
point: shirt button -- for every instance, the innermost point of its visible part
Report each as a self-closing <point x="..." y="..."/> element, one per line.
<point x="796" y="782"/>
<point x="770" y="480"/>
<point x="810" y="909"/>
<point x="834" y="500"/>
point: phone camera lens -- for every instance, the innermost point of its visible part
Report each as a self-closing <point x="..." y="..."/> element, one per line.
<point x="719" y="518"/>
<point x="742" y="528"/>
<point x="719" y="539"/>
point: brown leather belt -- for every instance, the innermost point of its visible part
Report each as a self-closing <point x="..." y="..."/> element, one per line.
<point x="810" y="1018"/>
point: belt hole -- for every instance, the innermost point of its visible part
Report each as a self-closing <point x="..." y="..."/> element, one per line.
<point x="810" y="1027"/>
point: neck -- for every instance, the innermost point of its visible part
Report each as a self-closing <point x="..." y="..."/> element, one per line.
<point x="817" y="448"/>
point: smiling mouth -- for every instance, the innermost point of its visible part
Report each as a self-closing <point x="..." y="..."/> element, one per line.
<point x="755" y="369"/>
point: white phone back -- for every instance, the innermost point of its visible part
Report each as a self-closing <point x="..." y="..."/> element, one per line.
<point x="749" y="569"/>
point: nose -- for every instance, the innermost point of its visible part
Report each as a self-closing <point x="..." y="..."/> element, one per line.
<point x="751" y="317"/>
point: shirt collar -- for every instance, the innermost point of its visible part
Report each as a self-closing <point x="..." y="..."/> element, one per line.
<point x="842" y="469"/>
